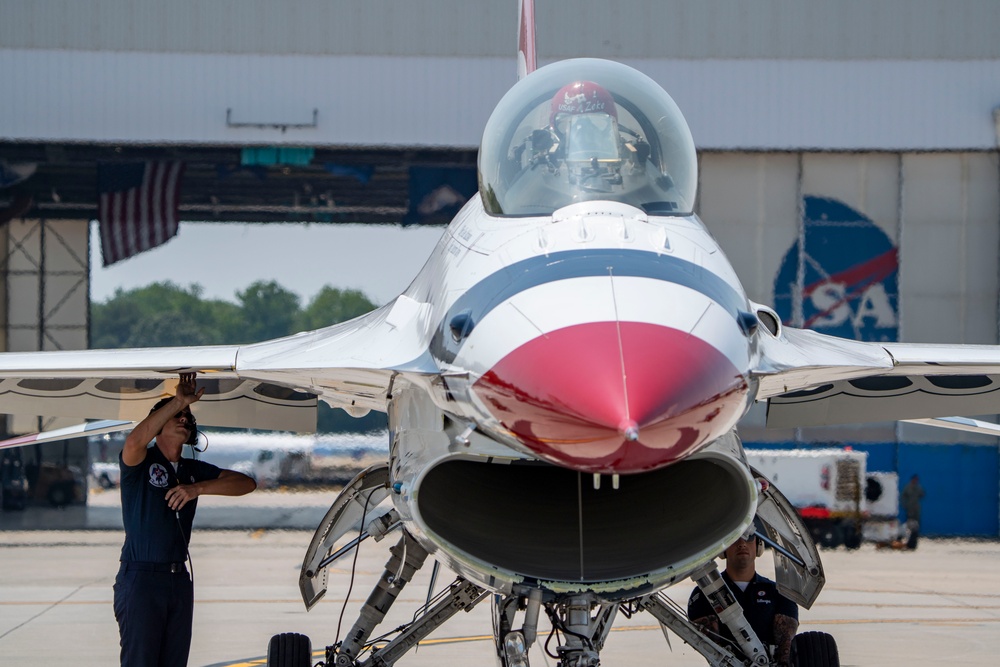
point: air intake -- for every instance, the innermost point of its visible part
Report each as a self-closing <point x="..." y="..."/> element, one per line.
<point x="545" y="522"/>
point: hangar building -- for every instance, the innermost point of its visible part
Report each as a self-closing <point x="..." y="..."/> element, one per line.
<point x="849" y="161"/>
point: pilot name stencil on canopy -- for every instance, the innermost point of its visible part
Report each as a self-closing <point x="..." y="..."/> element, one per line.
<point x="846" y="280"/>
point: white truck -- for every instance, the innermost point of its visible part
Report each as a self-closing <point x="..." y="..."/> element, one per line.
<point x="838" y="499"/>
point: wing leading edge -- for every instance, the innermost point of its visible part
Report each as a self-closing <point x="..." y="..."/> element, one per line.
<point x="811" y="379"/>
<point x="272" y="385"/>
<point x="123" y="384"/>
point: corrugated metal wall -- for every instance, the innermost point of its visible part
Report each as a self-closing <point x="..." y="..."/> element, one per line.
<point x="45" y="267"/>
<point x="155" y="98"/>
<point x="104" y="96"/>
<point x="47" y="270"/>
<point x="949" y="248"/>
<point x="827" y="29"/>
<point x="941" y="214"/>
<point x="941" y="210"/>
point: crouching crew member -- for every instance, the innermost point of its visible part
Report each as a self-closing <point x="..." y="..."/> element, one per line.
<point x="154" y="595"/>
<point x="773" y="617"/>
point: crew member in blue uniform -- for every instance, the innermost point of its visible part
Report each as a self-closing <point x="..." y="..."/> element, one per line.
<point x="154" y="595"/>
<point x="772" y="616"/>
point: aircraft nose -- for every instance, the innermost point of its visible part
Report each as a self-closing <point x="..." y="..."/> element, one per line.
<point x="614" y="397"/>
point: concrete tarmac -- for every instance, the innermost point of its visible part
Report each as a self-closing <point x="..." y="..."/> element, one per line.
<point x="938" y="604"/>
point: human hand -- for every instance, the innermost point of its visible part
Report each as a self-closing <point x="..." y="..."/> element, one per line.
<point x="187" y="390"/>
<point x="707" y="624"/>
<point x="181" y="495"/>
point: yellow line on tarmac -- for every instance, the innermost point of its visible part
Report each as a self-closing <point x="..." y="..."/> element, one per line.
<point x="256" y="662"/>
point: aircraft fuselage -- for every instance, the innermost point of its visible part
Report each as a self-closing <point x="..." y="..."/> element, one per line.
<point x="601" y="339"/>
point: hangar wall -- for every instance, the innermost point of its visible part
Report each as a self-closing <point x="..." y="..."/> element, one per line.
<point x="940" y="215"/>
<point x="44" y="305"/>
<point x="941" y="211"/>
<point x="4" y="235"/>
<point x="46" y="275"/>
<point x="834" y="149"/>
<point x="938" y="212"/>
<point x="48" y="278"/>
<point x="483" y="28"/>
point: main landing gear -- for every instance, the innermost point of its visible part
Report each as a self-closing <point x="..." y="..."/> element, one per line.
<point x="355" y="650"/>
<point x="580" y="622"/>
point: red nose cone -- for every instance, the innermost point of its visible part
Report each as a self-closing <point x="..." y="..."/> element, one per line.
<point x="614" y="397"/>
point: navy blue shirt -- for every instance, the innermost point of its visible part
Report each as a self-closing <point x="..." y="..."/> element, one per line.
<point x="760" y="602"/>
<point x="153" y="532"/>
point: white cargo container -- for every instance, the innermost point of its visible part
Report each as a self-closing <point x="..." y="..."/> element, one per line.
<point x="839" y="501"/>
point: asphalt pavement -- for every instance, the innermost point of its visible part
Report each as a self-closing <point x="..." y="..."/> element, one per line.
<point x="937" y="605"/>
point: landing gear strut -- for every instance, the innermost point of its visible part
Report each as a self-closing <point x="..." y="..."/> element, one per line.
<point x="581" y="620"/>
<point x="407" y="556"/>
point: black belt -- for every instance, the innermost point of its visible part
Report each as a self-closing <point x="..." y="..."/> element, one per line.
<point x="154" y="567"/>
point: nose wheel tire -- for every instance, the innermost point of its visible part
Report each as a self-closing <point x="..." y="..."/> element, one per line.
<point x="289" y="649"/>
<point x="815" y="649"/>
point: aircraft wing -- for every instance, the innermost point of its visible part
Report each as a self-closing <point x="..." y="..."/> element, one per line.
<point x="811" y="379"/>
<point x="272" y="385"/>
<point x="99" y="427"/>
<point x="124" y="384"/>
<point x="961" y="424"/>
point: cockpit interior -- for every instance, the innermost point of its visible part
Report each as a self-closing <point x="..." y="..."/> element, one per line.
<point x="561" y="136"/>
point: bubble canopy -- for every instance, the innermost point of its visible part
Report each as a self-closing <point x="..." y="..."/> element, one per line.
<point x="587" y="130"/>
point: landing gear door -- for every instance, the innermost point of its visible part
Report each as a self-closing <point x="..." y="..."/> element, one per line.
<point x="361" y="502"/>
<point x="797" y="567"/>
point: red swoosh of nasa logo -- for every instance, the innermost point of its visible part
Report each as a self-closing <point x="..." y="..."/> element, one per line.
<point x="858" y="277"/>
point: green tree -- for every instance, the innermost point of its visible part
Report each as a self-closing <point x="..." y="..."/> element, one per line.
<point x="332" y="306"/>
<point x="269" y="310"/>
<point x="162" y="314"/>
<point x="166" y="330"/>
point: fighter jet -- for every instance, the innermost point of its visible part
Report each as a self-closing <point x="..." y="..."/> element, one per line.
<point x="563" y="381"/>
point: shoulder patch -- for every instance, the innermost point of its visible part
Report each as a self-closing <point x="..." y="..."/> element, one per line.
<point x="158" y="476"/>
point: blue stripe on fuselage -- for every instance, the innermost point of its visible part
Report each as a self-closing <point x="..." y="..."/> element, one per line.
<point x="496" y="288"/>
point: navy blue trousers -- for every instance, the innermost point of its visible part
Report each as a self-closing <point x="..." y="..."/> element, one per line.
<point x="154" y="611"/>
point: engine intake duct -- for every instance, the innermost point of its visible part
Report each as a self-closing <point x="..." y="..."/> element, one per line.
<point x="526" y="517"/>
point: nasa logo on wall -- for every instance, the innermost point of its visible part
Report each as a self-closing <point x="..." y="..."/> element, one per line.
<point x="848" y="275"/>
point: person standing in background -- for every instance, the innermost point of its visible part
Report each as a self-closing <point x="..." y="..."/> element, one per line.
<point x="910" y="498"/>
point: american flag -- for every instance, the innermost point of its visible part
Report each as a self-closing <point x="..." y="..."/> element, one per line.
<point x="137" y="206"/>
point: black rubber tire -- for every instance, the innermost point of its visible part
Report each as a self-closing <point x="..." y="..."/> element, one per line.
<point x="105" y="481"/>
<point x="16" y="505"/>
<point x="852" y="538"/>
<point x="815" y="649"/>
<point x="60" y="494"/>
<point x="831" y="535"/>
<point x="289" y="649"/>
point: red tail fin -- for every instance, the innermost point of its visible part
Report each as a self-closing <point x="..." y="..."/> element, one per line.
<point x="526" y="62"/>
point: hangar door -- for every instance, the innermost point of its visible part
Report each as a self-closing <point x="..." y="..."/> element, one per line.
<point x="47" y="284"/>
